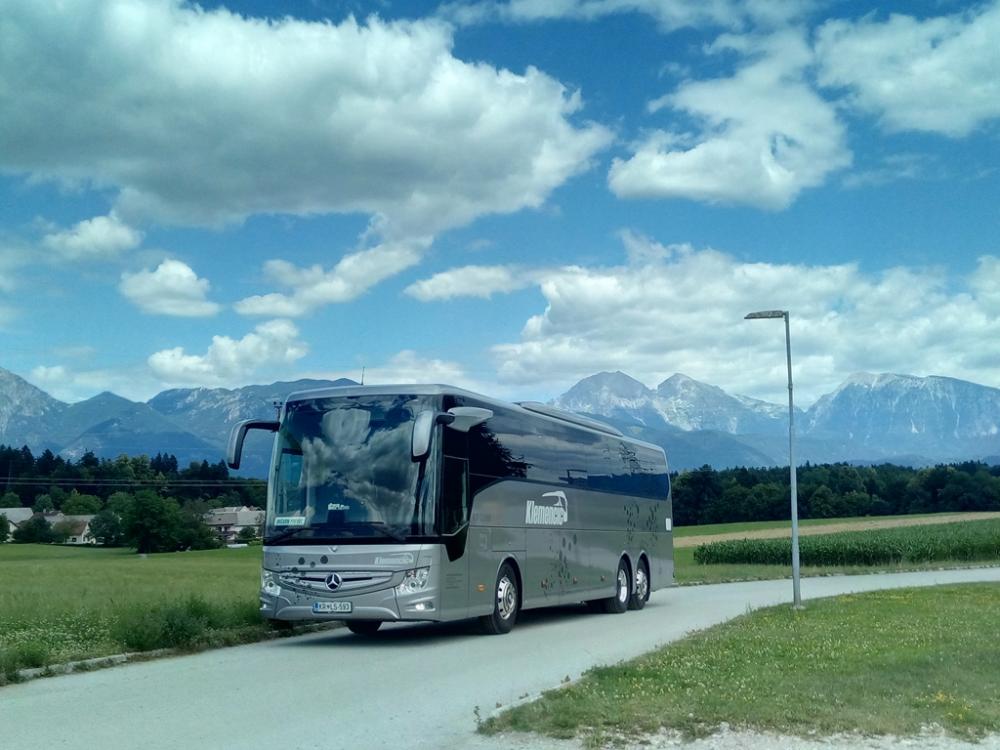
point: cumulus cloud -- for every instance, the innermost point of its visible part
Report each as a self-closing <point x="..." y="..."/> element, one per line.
<point x="765" y="134"/>
<point x="73" y="384"/>
<point x="470" y="281"/>
<point x="668" y="14"/>
<point x="313" y="287"/>
<point x="98" y="238"/>
<point x="205" y="116"/>
<point x="684" y="313"/>
<point x="938" y="75"/>
<point x="173" y="288"/>
<point x="228" y="361"/>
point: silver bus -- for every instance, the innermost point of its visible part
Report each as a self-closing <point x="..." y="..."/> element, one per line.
<point x="427" y="502"/>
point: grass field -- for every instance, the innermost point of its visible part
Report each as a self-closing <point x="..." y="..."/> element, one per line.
<point x="885" y="662"/>
<point x="60" y="604"/>
<point x="65" y="603"/>
<point x="710" y="529"/>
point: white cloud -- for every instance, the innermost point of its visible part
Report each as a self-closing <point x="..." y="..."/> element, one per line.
<point x="313" y="287"/>
<point x="685" y="314"/>
<point x="940" y="74"/>
<point x="172" y="289"/>
<point x="470" y="281"/>
<point x="408" y="366"/>
<point x="205" y="116"/>
<point x="765" y="134"/>
<point x="229" y="361"/>
<point x="893" y="167"/>
<point x="71" y="385"/>
<point x="668" y="14"/>
<point x="98" y="238"/>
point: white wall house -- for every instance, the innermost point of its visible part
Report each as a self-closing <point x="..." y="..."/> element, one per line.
<point x="16" y="516"/>
<point x="229" y="522"/>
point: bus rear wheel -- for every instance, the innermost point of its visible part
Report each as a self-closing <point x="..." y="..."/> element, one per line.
<point x="506" y="603"/>
<point x="363" y="627"/>
<point x="641" y="594"/>
<point x="618" y="603"/>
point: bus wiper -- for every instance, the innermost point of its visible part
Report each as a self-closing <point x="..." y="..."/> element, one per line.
<point x="286" y="534"/>
<point x="381" y="528"/>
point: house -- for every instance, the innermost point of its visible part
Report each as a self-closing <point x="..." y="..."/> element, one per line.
<point x="77" y="528"/>
<point x="227" y="523"/>
<point x="16" y="516"/>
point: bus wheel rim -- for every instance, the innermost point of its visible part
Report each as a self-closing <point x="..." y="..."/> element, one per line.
<point x="622" y="585"/>
<point x="506" y="597"/>
<point x="641" y="584"/>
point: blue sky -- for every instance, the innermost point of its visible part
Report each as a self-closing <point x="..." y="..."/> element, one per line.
<point x="507" y="196"/>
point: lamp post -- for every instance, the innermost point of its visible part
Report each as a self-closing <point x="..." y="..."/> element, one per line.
<point x="796" y="594"/>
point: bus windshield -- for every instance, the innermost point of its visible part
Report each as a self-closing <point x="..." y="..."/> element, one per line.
<point x="344" y="472"/>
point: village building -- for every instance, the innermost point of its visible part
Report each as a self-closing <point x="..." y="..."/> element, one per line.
<point x="228" y="522"/>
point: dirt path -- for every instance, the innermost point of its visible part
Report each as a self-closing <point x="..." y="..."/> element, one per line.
<point x="831" y="528"/>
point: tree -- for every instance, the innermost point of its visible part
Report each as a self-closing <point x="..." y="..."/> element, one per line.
<point x="44" y="504"/>
<point x="4" y="528"/>
<point x="81" y="505"/>
<point x="36" y="530"/>
<point x="10" y="500"/>
<point x="106" y="528"/>
<point x="151" y="523"/>
<point x="247" y="534"/>
<point x="62" y="531"/>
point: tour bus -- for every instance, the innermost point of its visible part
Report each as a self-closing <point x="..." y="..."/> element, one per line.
<point x="427" y="502"/>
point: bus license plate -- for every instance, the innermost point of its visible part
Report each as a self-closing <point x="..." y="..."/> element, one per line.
<point x="329" y="608"/>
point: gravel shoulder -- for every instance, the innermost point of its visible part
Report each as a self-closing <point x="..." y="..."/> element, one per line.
<point x="833" y="528"/>
<point x="728" y="739"/>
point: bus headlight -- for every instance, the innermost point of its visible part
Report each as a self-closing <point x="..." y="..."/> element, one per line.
<point x="268" y="584"/>
<point x="414" y="581"/>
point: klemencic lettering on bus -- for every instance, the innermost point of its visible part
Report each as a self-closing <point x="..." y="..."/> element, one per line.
<point x="547" y="515"/>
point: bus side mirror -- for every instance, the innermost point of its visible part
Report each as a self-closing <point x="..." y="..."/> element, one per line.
<point x="467" y="417"/>
<point x="423" y="425"/>
<point x="239" y="434"/>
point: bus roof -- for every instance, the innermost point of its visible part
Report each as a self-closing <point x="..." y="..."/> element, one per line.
<point x="528" y="409"/>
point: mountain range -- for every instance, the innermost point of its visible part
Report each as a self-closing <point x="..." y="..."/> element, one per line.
<point x="867" y="419"/>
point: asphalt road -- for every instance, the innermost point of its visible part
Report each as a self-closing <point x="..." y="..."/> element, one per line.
<point x="413" y="686"/>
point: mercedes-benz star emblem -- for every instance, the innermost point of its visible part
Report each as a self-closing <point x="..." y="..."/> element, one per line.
<point x="333" y="581"/>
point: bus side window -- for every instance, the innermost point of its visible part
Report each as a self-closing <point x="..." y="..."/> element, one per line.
<point x="455" y="500"/>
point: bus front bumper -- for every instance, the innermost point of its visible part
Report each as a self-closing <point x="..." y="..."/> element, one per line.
<point x="386" y="605"/>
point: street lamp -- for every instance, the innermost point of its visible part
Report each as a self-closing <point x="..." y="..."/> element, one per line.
<point x="796" y="594"/>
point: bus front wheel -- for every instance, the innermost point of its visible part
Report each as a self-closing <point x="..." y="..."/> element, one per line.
<point x="618" y="603"/>
<point x="506" y="603"/>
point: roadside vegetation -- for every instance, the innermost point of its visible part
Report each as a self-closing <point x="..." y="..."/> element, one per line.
<point x="60" y="604"/>
<point x="888" y="662"/>
<point x="971" y="541"/>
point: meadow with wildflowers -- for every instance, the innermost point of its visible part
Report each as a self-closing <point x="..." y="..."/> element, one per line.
<point x="60" y="604"/>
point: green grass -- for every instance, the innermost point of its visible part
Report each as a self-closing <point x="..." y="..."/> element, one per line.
<point x="60" y="604"/>
<point x="732" y="528"/>
<point x="687" y="572"/>
<point x="887" y="662"/>
<point x="969" y="540"/>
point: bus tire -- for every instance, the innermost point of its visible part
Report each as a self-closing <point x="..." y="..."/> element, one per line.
<point x="506" y="603"/>
<point x="641" y="594"/>
<point x="618" y="603"/>
<point x="363" y="627"/>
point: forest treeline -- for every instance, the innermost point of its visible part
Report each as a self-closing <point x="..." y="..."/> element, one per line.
<point x="150" y="504"/>
<point x="50" y="482"/>
<point x="707" y="495"/>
